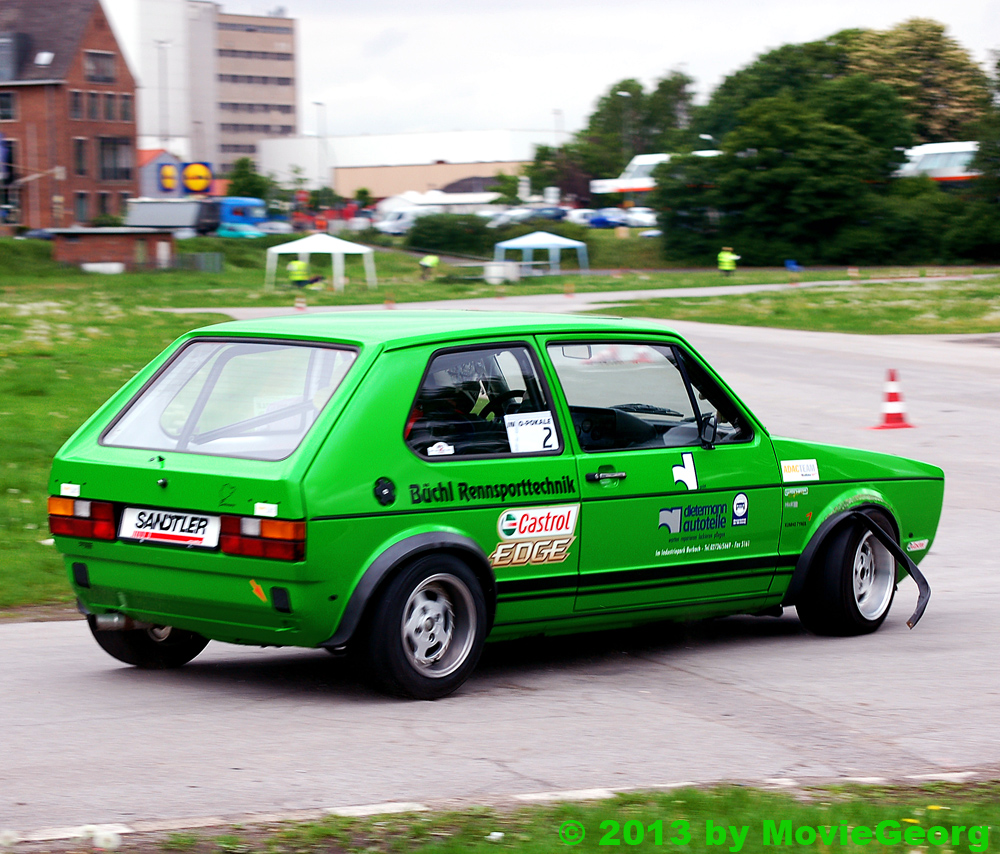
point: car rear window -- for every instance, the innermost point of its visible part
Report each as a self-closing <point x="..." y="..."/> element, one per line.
<point x="250" y="399"/>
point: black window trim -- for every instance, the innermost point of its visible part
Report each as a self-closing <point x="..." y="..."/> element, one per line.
<point x="540" y="378"/>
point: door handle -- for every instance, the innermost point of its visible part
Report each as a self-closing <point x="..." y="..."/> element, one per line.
<point x="598" y="476"/>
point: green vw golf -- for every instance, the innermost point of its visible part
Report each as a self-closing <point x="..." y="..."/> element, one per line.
<point x="406" y="485"/>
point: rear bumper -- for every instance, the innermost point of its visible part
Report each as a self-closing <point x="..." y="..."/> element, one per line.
<point x="247" y="609"/>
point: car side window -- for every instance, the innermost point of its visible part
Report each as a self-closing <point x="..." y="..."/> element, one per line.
<point x="628" y="396"/>
<point x="484" y="401"/>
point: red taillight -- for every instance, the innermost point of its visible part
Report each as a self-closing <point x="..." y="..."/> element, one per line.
<point x="275" y="539"/>
<point x="85" y="520"/>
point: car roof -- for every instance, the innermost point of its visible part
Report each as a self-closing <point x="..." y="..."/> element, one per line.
<point x="394" y="329"/>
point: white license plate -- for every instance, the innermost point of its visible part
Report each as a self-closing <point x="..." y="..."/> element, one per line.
<point x="169" y="527"/>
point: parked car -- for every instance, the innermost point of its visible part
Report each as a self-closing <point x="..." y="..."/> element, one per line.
<point x="608" y="218"/>
<point x="579" y="216"/>
<point x="510" y="216"/>
<point x="238" y="229"/>
<point x="403" y="486"/>
<point x="276" y="226"/>
<point x="640" y="218"/>
<point x="401" y="221"/>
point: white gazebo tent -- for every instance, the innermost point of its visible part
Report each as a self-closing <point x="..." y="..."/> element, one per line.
<point x="322" y="244"/>
<point x="528" y="243"/>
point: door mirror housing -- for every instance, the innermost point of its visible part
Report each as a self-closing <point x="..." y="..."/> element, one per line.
<point x="709" y="431"/>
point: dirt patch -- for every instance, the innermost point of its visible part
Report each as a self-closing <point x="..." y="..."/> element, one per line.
<point x="39" y="614"/>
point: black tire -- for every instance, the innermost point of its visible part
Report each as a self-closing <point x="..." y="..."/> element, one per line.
<point x="158" y="648"/>
<point x="428" y="628"/>
<point x="850" y="588"/>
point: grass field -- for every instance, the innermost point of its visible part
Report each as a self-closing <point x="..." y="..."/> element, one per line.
<point x="924" y="306"/>
<point x="949" y="818"/>
<point x="69" y="339"/>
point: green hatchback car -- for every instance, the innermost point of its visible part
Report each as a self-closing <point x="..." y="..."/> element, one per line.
<point x="406" y="485"/>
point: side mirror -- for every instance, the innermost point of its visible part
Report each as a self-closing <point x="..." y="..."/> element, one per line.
<point x="709" y="431"/>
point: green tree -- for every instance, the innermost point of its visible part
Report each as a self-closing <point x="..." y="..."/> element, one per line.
<point x="506" y="186"/>
<point x="364" y="197"/>
<point x="628" y="121"/>
<point x="794" y="69"/>
<point x="944" y="90"/>
<point x="787" y="183"/>
<point x="559" y="167"/>
<point x="322" y="198"/>
<point x="872" y="110"/>
<point x="987" y="131"/>
<point x="245" y="180"/>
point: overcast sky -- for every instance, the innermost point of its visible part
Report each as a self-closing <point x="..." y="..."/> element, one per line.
<point x="436" y="65"/>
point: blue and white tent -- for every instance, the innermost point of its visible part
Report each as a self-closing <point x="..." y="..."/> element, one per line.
<point x="528" y="243"/>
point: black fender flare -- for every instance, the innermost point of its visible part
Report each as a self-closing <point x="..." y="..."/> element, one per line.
<point x="403" y="552"/>
<point x="886" y="538"/>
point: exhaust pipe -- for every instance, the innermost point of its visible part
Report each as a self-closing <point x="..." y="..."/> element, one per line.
<point x="118" y="623"/>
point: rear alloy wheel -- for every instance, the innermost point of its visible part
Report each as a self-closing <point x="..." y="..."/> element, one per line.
<point x="428" y="630"/>
<point x="155" y="648"/>
<point x="850" y="591"/>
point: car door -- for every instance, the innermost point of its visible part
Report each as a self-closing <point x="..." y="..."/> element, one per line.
<point x="667" y="519"/>
<point x="488" y="458"/>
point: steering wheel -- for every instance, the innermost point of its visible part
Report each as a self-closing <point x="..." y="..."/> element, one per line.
<point x="496" y="406"/>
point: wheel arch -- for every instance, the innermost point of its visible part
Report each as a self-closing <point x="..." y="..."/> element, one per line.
<point x="390" y="561"/>
<point x="817" y="542"/>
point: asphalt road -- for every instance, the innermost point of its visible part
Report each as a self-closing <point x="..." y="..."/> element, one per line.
<point x="87" y="740"/>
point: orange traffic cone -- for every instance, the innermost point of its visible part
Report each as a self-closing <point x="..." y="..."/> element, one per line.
<point x="893" y="408"/>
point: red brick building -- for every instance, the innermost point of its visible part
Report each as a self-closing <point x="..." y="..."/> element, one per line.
<point x="67" y="115"/>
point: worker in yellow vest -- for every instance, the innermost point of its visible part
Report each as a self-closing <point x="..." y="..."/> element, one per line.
<point x="298" y="274"/>
<point x="727" y="261"/>
<point x="427" y="266"/>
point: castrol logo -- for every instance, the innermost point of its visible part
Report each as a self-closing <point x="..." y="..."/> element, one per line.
<point x="536" y="522"/>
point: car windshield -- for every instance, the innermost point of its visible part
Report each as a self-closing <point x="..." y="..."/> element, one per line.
<point x="233" y="399"/>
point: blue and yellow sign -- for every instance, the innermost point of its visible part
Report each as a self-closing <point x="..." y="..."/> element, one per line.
<point x="196" y="177"/>
<point x="168" y="177"/>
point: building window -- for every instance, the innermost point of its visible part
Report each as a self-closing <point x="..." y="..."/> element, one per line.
<point x="8" y="162"/>
<point x="76" y="104"/>
<point x="126" y="113"/>
<point x="110" y="102"/>
<point x="93" y="106"/>
<point x="254" y="28"/>
<point x="81" y="207"/>
<point x="98" y="66"/>
<point x="234" y="148"/>
<point x="8" y="107"/>
<point x="123" y="203"/>
<point x="103" y="204"/>
<point x="255" y="79"/>
<point x="79" y="156"/>
<point x="253" y="54"/>
<point x="115" y="158"/>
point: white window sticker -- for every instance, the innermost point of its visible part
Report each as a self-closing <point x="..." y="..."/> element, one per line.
<point x="440" y="449"/>
<point x="531" y="432"/>
<point x="799" y="470"/>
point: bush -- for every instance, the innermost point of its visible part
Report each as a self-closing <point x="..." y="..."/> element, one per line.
<point x="106" y="221"/>
<point x="460" y="234"/>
